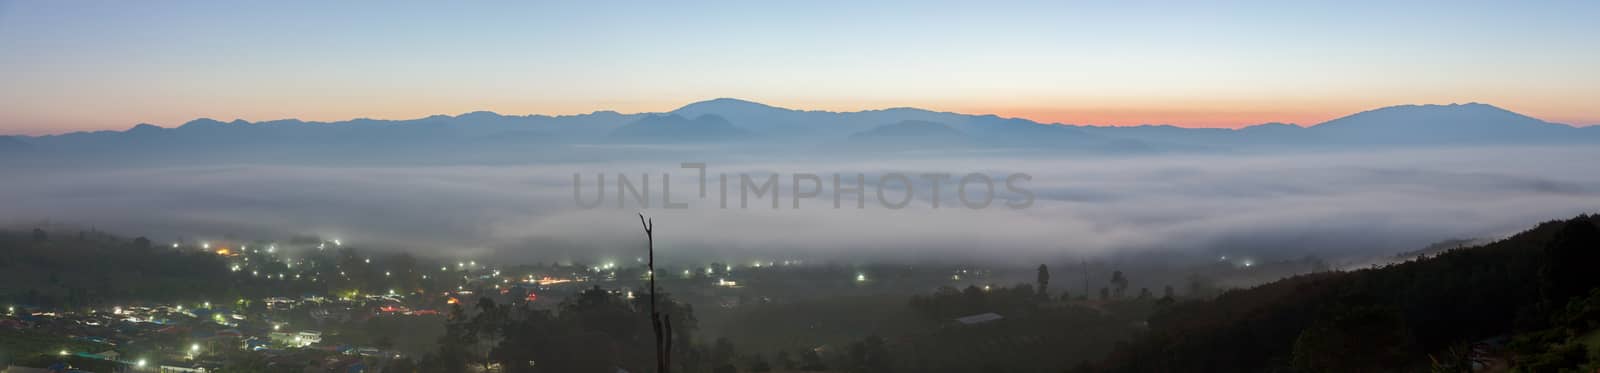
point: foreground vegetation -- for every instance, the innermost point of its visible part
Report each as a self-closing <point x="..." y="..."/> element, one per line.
<point x="1447" y="313"/>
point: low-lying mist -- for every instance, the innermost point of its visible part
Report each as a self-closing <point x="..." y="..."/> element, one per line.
<point x="1266" y="205"/>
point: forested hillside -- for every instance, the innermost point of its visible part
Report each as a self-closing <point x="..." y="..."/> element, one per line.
<point x="1526" y="302"/>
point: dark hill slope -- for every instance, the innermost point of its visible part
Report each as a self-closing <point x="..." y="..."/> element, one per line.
<point x="1390" y="318"/>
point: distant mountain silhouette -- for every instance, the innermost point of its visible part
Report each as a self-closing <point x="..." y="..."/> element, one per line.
<point x="12" y="144"/>
<point x="911" y="128"/>
<point x="909" y="134"/>
<point x="677" y="128"/>
<point x="486" y="135"/>
<point x="1471" y="123"/>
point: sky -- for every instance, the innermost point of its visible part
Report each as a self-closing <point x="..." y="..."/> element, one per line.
<point x="90" y="65"/>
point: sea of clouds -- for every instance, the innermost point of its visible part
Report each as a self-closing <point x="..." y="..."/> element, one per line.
<point x="1288" y="205"/>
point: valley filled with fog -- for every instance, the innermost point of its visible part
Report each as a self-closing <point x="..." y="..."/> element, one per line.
<point x="1273" y="205"/>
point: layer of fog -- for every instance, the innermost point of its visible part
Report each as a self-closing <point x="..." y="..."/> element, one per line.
<point x="1331" y="205"/>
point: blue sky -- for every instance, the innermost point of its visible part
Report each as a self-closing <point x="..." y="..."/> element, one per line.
<point x="79" y="65"/>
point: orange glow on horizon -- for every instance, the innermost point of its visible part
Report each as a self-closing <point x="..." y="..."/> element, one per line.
<point x="1113" y="111"/>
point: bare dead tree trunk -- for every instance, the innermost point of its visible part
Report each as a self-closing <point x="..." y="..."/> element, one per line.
<point x="658" y="322"/>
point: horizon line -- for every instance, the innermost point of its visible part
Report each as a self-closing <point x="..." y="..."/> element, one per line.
<point x="594" y="112"/>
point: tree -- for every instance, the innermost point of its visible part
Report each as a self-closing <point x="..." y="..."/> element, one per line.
<point x="40" y="235"/>
<point x="1355" y="339"/>
<point x="1043" y="282"/>
<point x="1120" y="283"/>
<point x="1569" y="271"/>
<point x="1105" y="294"/>
<point x="1167" y="293"/>
<point x="141" y="243"/>
<point x="1144" y="293"/>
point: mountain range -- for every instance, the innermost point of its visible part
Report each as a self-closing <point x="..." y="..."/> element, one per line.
<point x="733" y="123"/>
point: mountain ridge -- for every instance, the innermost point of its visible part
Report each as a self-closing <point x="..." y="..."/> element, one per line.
<point x="490" y="136"/>
<point x="724" y="103"/>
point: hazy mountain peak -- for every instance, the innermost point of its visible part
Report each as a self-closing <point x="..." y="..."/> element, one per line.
<point x="480" y="114"/>
<point x="723" y="104"/>
<point x="1470" y="123"/>
<point x="144" y="127"/>
<point x="1434" y="114"/>
<point x="1272" y="126"/>
<point x="202" y="122"/>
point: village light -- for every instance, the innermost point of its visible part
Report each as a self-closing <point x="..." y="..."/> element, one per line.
<point x="337" y="243"/>
<point x="141" y="363"/>
<point x="208" y="305"/>
<point x="63" y="352"/>
<point x="861" y="277"/>
<point x="194" y="347"/>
